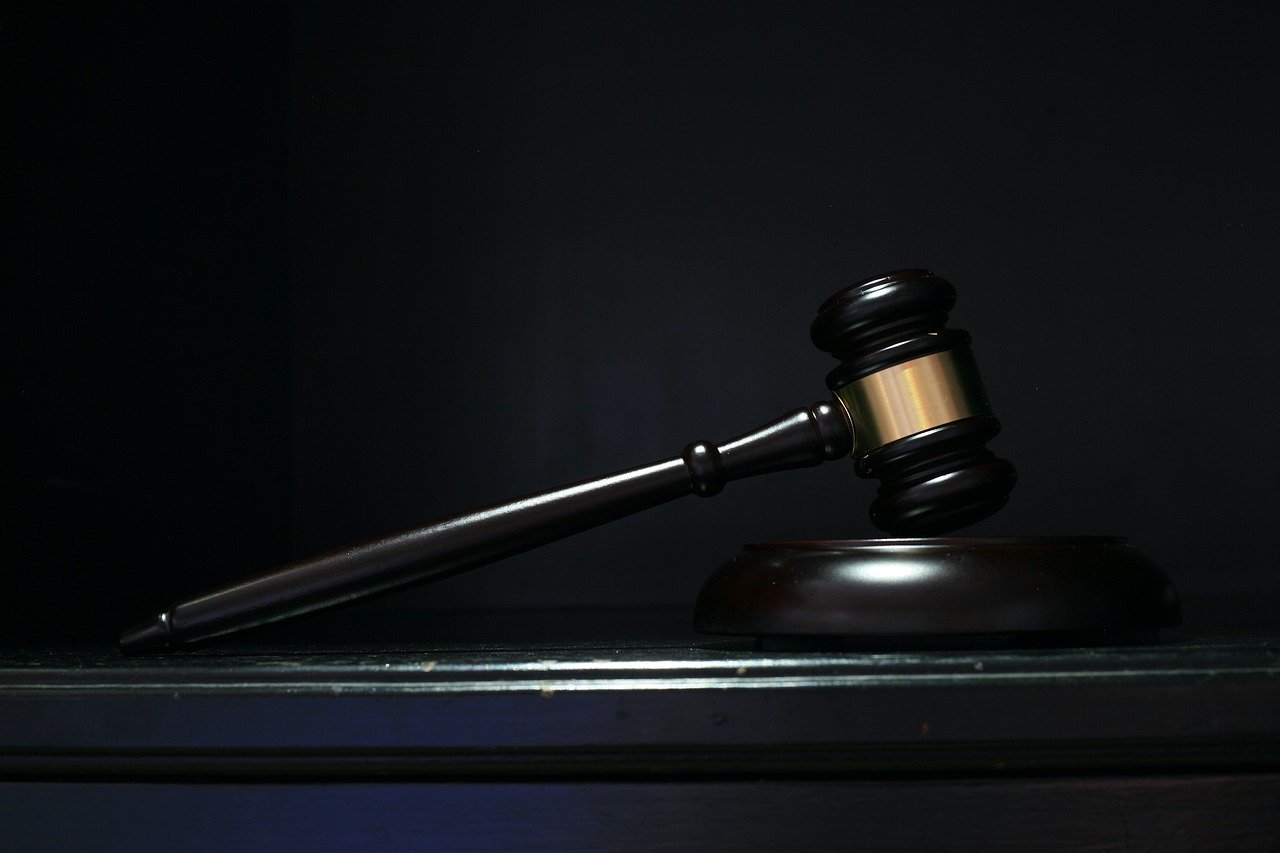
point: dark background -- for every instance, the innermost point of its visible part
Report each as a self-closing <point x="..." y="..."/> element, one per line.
<point x="288" y="276"/>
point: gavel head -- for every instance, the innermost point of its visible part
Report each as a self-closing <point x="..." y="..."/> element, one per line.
<point x="915" y="402"/>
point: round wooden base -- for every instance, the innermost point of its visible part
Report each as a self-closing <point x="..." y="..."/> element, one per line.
<point x="945" y="592"/>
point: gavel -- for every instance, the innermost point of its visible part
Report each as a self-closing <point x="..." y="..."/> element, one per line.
<point x="908" y="404"/>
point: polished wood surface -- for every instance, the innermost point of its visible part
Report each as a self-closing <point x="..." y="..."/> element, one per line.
<point x="669" y="705"/>
<point x="947" y="592"/>
<point x="802" y="438"/>
<point x="938" y="477"/>
<point x="587" y="730"/>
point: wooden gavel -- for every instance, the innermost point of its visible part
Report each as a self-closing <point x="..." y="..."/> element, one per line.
<point x="908" y="402"/>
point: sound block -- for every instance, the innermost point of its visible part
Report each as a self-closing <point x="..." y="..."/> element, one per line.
<point x="939" y="593"/>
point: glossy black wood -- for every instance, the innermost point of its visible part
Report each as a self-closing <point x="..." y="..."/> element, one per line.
<point x="938" y="480"/>
<point x="561" y="731"/>
<point x="572" y="697"/>
<point x="803" y="438"/>
<point x="947" y="592"/>
<point x="932" y="482"/>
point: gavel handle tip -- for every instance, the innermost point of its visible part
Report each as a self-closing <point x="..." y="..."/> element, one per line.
<point x="152" y="635"/>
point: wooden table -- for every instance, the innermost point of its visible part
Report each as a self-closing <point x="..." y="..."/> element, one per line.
<point x="550" y="742"/>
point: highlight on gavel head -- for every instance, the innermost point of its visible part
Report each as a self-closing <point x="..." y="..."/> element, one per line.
<point x="915" y="402"/>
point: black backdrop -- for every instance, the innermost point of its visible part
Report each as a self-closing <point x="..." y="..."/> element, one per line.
<point x="291" y="276"/>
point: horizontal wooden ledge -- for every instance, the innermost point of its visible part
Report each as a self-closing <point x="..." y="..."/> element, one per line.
<point x="932" y="760"/>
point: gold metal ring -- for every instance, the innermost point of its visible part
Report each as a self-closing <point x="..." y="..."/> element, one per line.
<point x="912" y="397"/>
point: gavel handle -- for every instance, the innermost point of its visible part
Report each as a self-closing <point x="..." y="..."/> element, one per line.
<point x="805" y="437"/>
